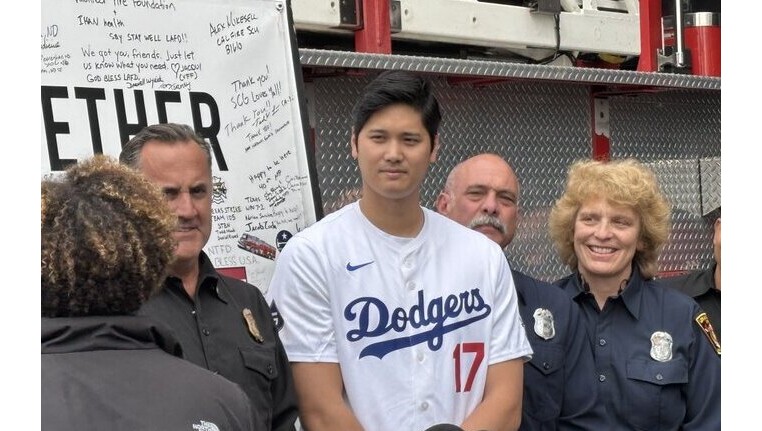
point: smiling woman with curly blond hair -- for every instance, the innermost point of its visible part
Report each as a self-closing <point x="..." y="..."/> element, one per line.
<point x="654" y="359"/>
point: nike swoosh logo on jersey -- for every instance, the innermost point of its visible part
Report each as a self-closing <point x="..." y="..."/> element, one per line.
<point x="351" y="267"/>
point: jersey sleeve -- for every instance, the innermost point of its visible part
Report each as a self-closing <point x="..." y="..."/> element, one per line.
<point x="300" y="293"/>
<point x="509" y="339"/>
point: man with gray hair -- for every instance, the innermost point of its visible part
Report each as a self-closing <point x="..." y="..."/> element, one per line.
<point x="483" y="193"/>
<point x="223" y="324"/>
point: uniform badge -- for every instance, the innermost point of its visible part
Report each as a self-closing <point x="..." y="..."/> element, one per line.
<point x="252" y="324"/>
<point x="661" y="346"/>
<point x="543" y="323"/>
<point x="706" y="326"/>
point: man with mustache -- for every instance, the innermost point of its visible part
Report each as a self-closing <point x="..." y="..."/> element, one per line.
<point x="483" y="193"/>
<point x="222" y="323"/>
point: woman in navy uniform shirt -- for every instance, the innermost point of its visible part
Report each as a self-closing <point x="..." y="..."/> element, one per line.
<point x="657" y="367"/>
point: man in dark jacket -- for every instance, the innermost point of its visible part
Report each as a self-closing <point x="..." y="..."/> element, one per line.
<point x="106" y="243"/>
<point x="222" y="324"/>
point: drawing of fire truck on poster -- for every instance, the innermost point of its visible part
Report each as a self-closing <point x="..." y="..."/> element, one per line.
<point x="257" y="246"/>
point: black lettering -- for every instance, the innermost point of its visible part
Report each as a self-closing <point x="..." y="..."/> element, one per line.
<point x="53" y="128"/>
<point x="91" y="95"/>
<point x="162" y="98"/>
<point x="126" y="130"/>
<point x="209" y="132"/>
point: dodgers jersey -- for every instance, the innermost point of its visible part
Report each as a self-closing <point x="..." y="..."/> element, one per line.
<point x="413" y="322"/>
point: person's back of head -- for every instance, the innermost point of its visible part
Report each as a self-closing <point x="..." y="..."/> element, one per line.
<point x="393" y="87"/>
<point x="106" y="240"/>
<point x="716" y="218"/>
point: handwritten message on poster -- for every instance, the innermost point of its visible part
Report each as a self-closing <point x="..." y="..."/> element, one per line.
<point x="226" y="68"/>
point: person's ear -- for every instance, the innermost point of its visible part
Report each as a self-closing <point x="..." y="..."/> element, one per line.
<point x="443" y="203"/>
<point x="353" y="144"/>
<point x="434" y="149"/>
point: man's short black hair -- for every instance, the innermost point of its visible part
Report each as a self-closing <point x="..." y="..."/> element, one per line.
<point x="397" y="86"/>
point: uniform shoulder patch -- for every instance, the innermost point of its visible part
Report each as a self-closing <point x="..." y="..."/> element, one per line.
<point x="706" y="326"/>
<point x="276" y="316"/>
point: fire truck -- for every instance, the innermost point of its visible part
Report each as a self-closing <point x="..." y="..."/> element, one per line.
<point x="542" y="83"/>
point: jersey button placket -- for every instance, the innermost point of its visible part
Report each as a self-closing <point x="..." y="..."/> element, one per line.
<point x="406" y="269"/>
<point x="407" y="262"/>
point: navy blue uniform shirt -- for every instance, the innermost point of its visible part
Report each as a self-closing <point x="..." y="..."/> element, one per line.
<point x="559" y="393"/>
<point x="681" y="392"/>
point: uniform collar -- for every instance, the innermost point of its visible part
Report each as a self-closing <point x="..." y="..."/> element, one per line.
<point x="630" y="295"/>
<point x="208" y="279"/>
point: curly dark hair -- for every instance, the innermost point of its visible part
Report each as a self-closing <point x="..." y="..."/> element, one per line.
<point x="106" y="240"/>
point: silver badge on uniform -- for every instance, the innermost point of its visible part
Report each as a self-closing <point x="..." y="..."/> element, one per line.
<point x="661" y="346"/>
<point x="543" y="323"/>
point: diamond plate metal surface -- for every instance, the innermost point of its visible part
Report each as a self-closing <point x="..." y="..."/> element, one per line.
<point x="710" y="184"/>
<point x="541" y="127"/>
<point x="674" y="133"/>
<point x="451" y="66"/>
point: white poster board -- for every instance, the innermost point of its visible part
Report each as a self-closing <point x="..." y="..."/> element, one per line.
<point x="226" y="68"/>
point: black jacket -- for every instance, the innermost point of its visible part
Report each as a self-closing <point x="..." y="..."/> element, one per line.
<point x="115" y="373"/>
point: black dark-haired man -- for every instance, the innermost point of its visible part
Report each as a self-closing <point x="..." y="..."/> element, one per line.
<point x="396" y="317"/>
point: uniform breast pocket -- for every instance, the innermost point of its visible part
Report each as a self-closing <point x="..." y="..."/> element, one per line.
<point x="543" y="382"/>
<point x="653" y="393"/>
<point x="261" y="372"/>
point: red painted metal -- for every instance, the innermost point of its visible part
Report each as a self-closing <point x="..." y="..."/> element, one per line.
<point x="601" y="144"/>
<point x="704" y="44"/>
<point x="650" y="34"/>
<point x="375" y="35"/>
<point x="601" y="147"/>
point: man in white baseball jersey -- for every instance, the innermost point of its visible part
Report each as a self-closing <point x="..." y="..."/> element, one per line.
<point x="395" y="317"/>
